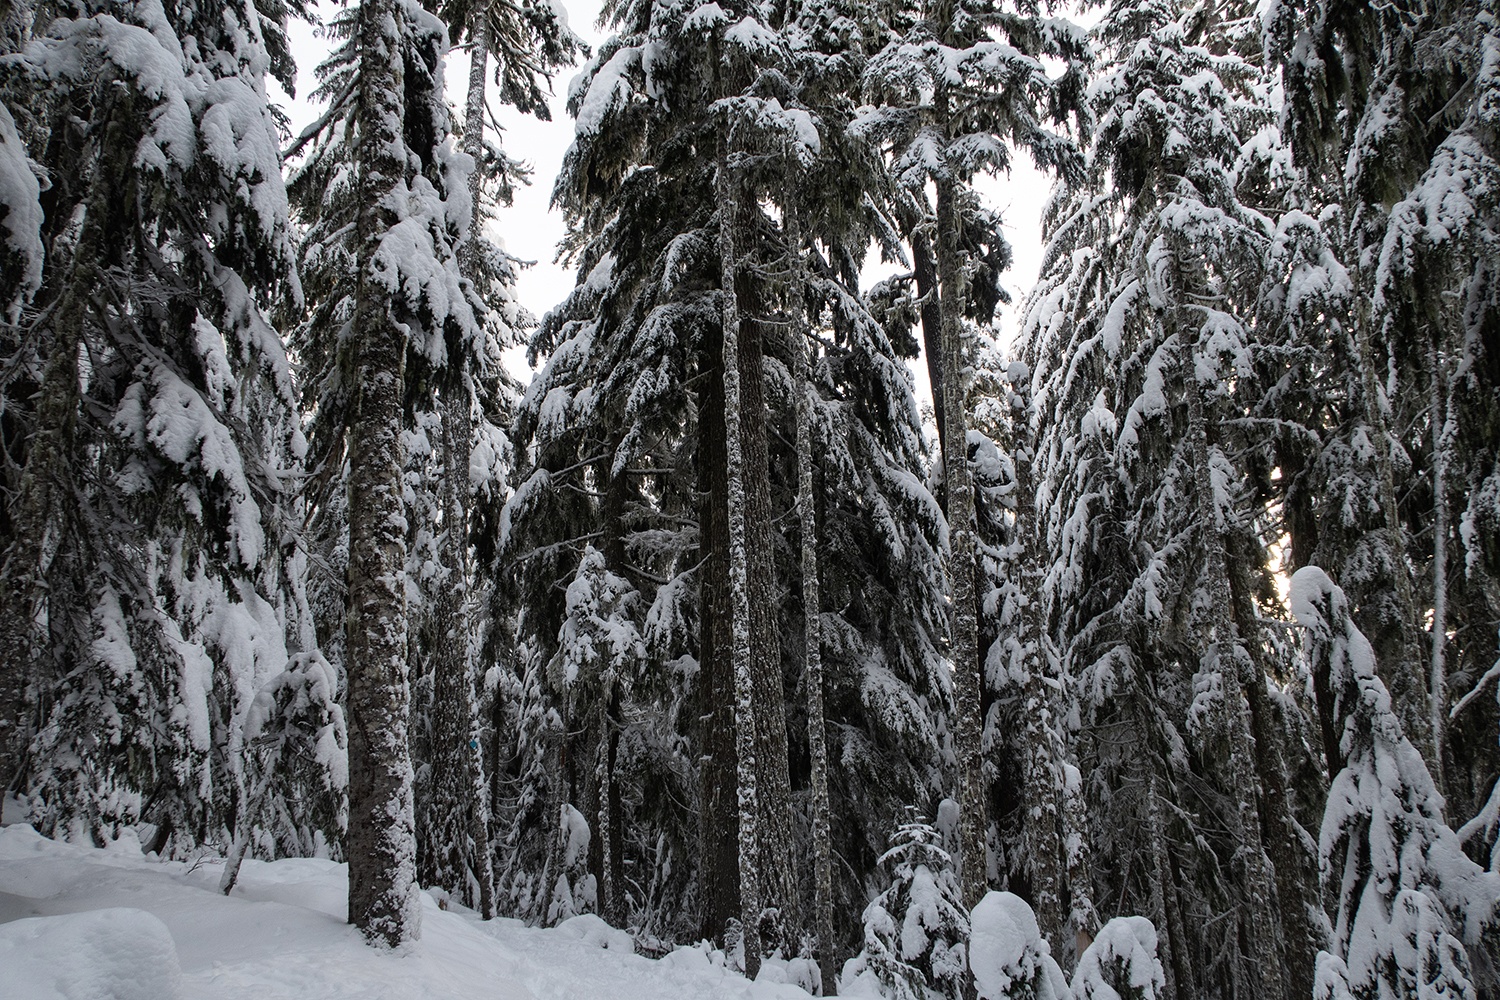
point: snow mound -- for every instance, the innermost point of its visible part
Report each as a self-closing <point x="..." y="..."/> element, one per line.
<point x="1007" y="954"/>
<point x="591" y="929"/>
<point x="1121" y="964"/>
<point x="118" y="953"/>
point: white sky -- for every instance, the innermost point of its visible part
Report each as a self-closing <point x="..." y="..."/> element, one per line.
<point x="530" y="231"/>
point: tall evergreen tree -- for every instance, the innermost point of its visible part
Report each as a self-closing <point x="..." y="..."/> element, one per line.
<point x="474" y="399"/>
<point x="1142" y="339"/>
<point x="623" y="423"/>
<point x="1386" y="109"/>
<point x="384" y="194"/>
<point x="152" y="584"/>
<point x="1414" y="915"/>
<point x="949" y="60"/>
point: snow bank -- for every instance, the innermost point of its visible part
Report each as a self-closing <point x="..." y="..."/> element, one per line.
<point x="118" y="953"/>
<point x="76" y="922"/>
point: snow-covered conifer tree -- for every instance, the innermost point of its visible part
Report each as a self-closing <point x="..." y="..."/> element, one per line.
<point x="916" y="931"/>
<point x="1009" y="957"/>
<point x="948" y="60"/>
<point x="151" y="580"/>
<point x="1414" y="915"/>
<point x="384" y="193"/>
<point x="1140" y="338"/>
<point x="1387" y="110"/>
<point x="463" y="459"/>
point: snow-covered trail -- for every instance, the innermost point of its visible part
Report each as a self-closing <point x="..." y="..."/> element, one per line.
<point x="282" y="935"/>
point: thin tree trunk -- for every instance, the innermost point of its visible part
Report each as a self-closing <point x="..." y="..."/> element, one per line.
<point x="458" y="826"/>
<point x="249" y="812"/>
<point x="925" y="272"/>
<point x="739" y="584"/>
<point x="383" y="895"/>
<point x="1223" y="649"/>
<point x="474" y="108"/>
<point x="963" y="621"/>
<point x="1042" y="816"/>
<point x="458" y="777"/>
<point x="1186" y="976"/>
<point x="610" y="841"/>
<point x="812" y="624"/>
<point x="718" y="829"/>
<point x="1393" y="632"/>
<point x="1167" y="941"/>
<point x="1438" y="695"/>
<point x="617" y="899"/>
<point x="603" y="779"/>
<point x="1294" y="870"/>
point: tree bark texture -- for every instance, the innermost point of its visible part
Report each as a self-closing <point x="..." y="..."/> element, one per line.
<point x="1168" y="943"/>
<point x="718" y="830"/>
<point x="1438" y="675"/>
<point x="383" y="894"/>
<point x="812" y="624"/>
<point x="1224" y="650"/>
<point x="745" y="724"/>
<point x="456" y="828"/>
<point x="1045" y="834"/>
<point x="778" y="891"/>
<point x="963" y="620"/>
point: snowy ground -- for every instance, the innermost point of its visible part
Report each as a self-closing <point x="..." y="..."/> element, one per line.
<point x="78" y="923"/>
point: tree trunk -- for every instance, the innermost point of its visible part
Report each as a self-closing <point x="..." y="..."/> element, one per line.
<point x="925" y="272"/>
<point x="1224" y="653"/>
<point x="778" y="891"/>
<point x="603" y="784"/>
<point x="1167" y="941"/>
<point x="474" y="108"/>
<point x="718" y="829"/>
<point x="383" y="895"/>
<point x="1390" y="619"/>
<point x="455" y="831"/>
<point x="1042" y="816"/>
<point x="1294" y="869"/>
<point x="963" y="620"/>
<point x="1438" y="677"/>
<point x="745" y="727"/>
<point x="812" y="625"/>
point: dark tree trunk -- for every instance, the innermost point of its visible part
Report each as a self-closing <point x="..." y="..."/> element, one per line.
<point x="925" y="268"/>
<point x="747" y="730"/>
<point x="383" y="896"/>
<point x="963" y="620"/>
<point x="773" y="773"/>
<point x="1293" y="868"/>
<point x="718" y="827"/>
<point x="812" y="627"/>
